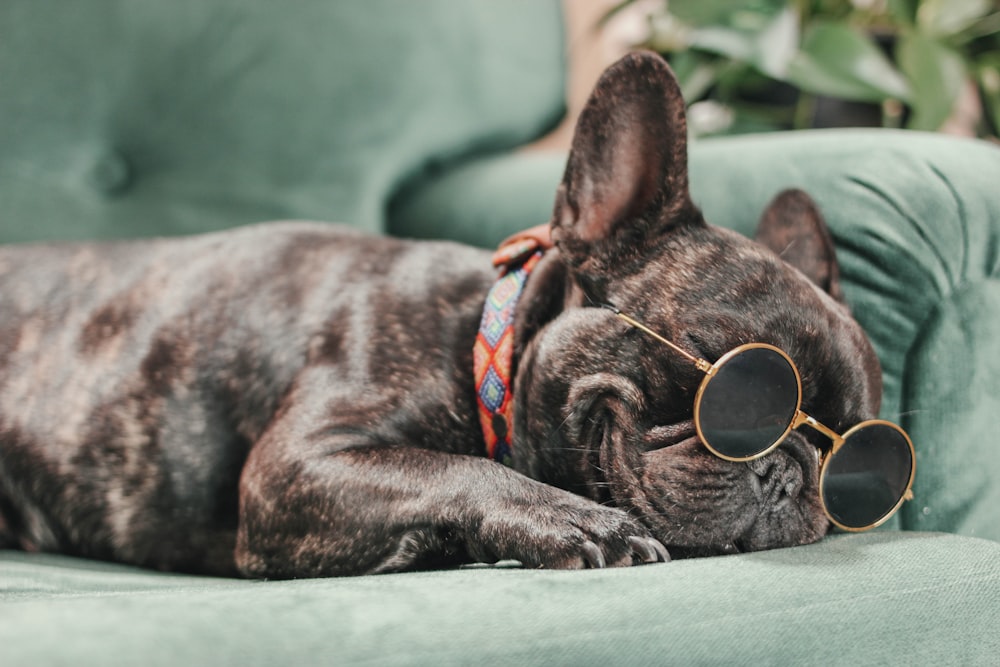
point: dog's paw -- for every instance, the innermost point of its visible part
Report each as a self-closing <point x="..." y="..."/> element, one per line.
<point x="564" y="531"/>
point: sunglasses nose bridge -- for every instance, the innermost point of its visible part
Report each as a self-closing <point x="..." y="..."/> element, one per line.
<point x="802" y="419"/>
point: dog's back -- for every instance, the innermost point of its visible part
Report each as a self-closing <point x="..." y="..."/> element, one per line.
<point x="134" y="376"/>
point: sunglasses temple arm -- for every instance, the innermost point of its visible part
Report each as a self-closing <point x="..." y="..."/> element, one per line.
<point x="702" y="365"/>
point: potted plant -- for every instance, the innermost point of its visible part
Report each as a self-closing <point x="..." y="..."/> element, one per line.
<point x="748" y="65"/>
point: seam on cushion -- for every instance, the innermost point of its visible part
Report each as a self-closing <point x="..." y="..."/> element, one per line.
<point x="963" y="221"/>
<point x="932" y="314"/>
<point x="889" y="201"/>
<point x="957" y="279"/>
<point x="929" y="320"/>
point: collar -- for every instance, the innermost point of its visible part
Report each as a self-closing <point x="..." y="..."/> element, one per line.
<point x="493" y="353"/>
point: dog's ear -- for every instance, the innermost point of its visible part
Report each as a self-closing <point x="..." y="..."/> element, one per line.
<point x="626" y="178"/>
<point x="793" y="227"/>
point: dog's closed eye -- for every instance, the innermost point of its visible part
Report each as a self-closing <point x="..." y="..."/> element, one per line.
<point x="660" y="437"/>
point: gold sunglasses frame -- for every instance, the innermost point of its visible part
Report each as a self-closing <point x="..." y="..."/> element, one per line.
<point x="799" y="419"/>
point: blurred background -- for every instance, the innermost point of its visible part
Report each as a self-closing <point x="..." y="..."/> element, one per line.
<point x="764" y="65"/>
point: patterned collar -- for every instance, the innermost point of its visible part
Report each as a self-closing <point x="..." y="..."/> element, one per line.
<point x="493" y="354"/>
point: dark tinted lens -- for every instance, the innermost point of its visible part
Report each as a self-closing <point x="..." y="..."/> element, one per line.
<point x="868" y="475"/>
<point x="748" y="404"/>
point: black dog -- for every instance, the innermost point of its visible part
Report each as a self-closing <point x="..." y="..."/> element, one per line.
<point x="292" y="400"/>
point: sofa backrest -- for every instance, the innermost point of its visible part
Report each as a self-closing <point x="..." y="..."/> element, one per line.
<point x="124" y="118"/>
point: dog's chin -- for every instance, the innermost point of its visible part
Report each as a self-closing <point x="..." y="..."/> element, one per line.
<point x="698" y="504"/>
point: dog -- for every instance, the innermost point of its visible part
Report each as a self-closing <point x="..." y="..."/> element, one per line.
<point x="298" y="399"/>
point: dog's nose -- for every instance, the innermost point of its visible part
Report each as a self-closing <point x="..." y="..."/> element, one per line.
<point x="776" y="479"/>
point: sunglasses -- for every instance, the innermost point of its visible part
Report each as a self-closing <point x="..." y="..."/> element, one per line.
<point x="751" y="399"/>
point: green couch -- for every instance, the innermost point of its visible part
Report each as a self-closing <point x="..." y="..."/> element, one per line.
<point x="137" y="118"/>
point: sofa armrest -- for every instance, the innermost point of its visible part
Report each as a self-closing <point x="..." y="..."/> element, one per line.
<point x="916" y="221"/>
<point x="482" y="201"/>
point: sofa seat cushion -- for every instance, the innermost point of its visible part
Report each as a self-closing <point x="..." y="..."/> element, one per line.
<point x="878" y="598"/>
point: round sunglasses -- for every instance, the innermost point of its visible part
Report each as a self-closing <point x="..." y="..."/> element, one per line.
<point x="751" y="399"/>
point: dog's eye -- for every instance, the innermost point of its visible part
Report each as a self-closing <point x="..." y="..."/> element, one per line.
<point x="661" y="437"/>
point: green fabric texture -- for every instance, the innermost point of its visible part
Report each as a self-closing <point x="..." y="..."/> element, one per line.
<point x="125" y="118"/>
<point x="875" y="599"/>
<point x="916" y="220"/>
<point x="141" y="117"/>
<point x="482" y="201"/>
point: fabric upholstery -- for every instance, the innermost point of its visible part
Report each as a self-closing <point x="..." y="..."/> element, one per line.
<point x="875" y="599"/>
<point x="141" y="117"/>
<point x="126" y="118"/>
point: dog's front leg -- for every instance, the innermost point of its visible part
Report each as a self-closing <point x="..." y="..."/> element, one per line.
<point x="333" y="502"/>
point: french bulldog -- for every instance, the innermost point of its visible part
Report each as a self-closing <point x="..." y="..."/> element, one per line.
<point x="297" y="399"/>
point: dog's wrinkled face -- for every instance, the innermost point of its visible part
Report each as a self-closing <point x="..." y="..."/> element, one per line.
<point x="611" y="415"/>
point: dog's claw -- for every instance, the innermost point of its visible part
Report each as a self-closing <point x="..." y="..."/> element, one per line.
<point x="730" y="548"/>
<point x="649" y="550"/>
<point x="592" y="555"/>
<point x="661" y="551"/>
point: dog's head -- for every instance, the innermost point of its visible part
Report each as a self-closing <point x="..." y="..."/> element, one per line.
<point x="604" y="409"/>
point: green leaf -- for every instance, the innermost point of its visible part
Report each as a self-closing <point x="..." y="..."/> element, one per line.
<point x="769" y="47"/>
<point x="777" y="44"/>
<point x="695" y="74"/>
<point x="729" y="13"/>
<point x="724" y="41"/>
<point x="936" y="75"/>
<point x="837" y="61"/>
<point x="989" y="84"/>
<point x="904" y="11"/>
<point x="947" y="17"/>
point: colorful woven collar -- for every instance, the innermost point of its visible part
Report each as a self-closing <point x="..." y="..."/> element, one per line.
<point x="493" y="354"/>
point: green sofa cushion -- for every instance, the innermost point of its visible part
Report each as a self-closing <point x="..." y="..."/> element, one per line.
<point x="124" y="118"/>
<point x="916" y="220"/>
<point x="482" y="201"/>
<point x="879" y="598"/>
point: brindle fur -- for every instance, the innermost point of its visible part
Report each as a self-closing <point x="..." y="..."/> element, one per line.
<point x="296" y="399"/>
